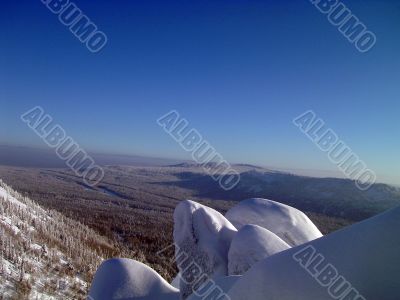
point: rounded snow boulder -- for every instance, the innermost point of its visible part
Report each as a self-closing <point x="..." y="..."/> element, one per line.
<point x="358" y="262"/>
<point x="202" y="239"/>
<point x="122" y="278"/>
<point x="251" y="244"/>
<point x="289" y="223"/>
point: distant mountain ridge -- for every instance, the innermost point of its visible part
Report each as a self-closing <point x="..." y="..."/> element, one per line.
<point x="332" y="196"/>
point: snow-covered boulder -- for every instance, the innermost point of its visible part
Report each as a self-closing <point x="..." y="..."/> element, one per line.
<point x="290" y="224"/>
<point x="356" y="263"/>
<point x="202" y="238"/>
<point x="123" y="278"/>
<point x="251" y="244"/>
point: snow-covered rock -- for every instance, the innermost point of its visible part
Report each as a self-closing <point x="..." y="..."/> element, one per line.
<point x="124" y="278"/>
<point x="251" y="244"/>
<point x="356" y="263"/>
<point x="290" y="224"/>
<point x="366" y="254"/>
<point x="203" y="236"/>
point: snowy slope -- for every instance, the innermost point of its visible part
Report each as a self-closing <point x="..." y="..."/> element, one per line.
<point x="203" y="235"/>
<point x="222" y="286"/>
<point x="251" y="244"/>
<point x="290" y="224"/>
<point x="39" y="258"/>
<point x="367" y="254"/>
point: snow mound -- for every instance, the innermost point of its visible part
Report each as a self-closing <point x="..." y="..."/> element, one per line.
<point x="251" y="244"/>
<point x="290" y="224"/>
<point x="366" y="254"/>
<point x="203" y="236"/>
<point x="123" y="278"/>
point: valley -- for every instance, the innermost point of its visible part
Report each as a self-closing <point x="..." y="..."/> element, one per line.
<point x="133" y="205"/>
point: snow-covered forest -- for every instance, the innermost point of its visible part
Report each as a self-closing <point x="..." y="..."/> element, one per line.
<point x="43" y="254"/>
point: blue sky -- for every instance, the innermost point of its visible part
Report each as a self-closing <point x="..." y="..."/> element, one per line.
<point x="238" y="71"/>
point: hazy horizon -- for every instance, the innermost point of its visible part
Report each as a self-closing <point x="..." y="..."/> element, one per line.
<point x="37" y="157"/>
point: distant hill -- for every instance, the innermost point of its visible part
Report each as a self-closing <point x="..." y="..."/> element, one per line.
<point x="331" y="196"/>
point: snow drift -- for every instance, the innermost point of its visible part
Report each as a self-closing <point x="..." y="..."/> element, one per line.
<point x="290" y="224"/>
<point x="222" y="284"/>
<point x="251" y="244"/>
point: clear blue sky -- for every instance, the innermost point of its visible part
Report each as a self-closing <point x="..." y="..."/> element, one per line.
<point x="239" y="71"/>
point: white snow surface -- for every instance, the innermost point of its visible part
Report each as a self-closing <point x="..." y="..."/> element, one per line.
<point x="204" y="236"/>
<point x="217" y="289"/>
<point x="251" y="244"/>
<point x="290" y="224"/>
<point x="4" y="194"/>
<point x="367" y="254"/>
<point x="123" y="278"/>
